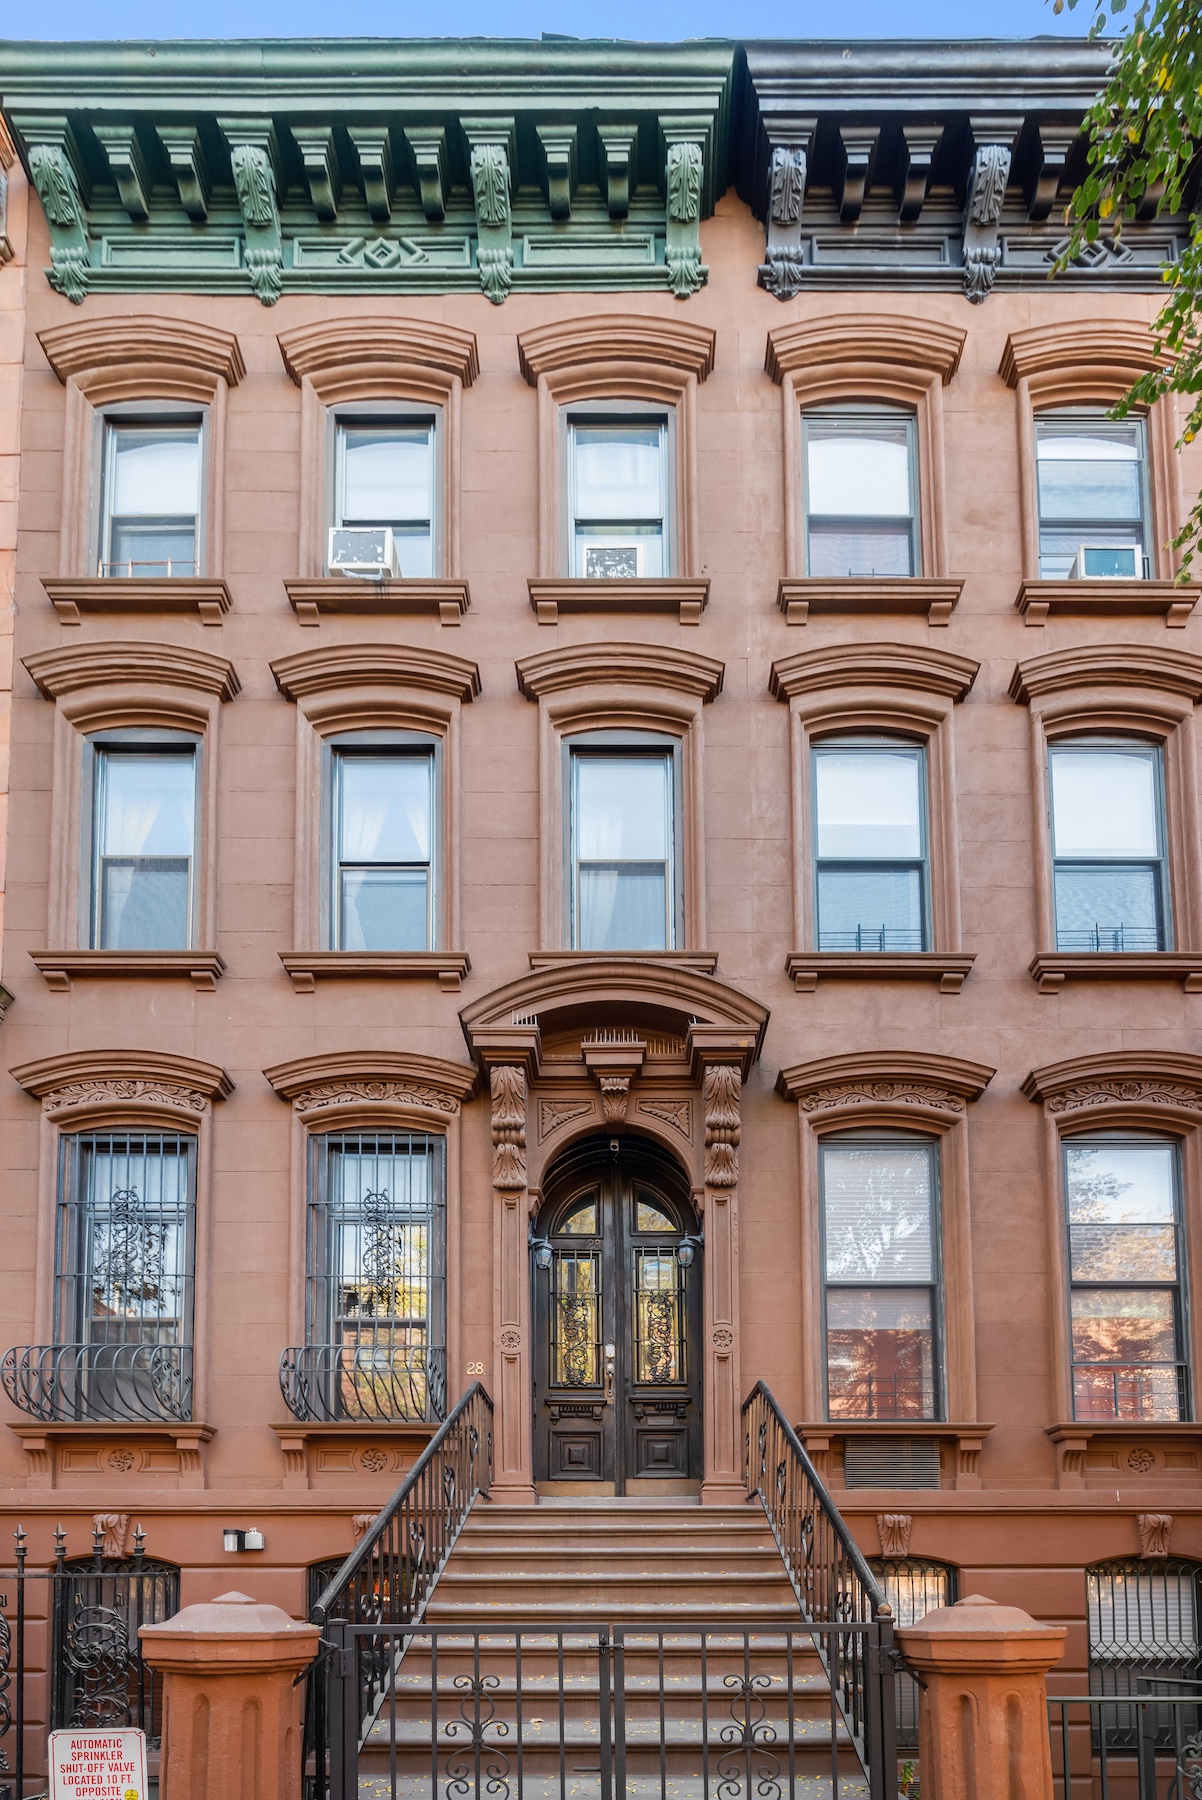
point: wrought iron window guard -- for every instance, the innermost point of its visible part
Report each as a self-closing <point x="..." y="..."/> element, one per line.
<point x="377" y="1382"/>
<point x="100" y="1383"/>
<point x="1111" y="939"/>
<point x="1130" y="1391"/>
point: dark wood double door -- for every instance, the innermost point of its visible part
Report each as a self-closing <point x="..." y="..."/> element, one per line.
<point x="617" y="1311"/>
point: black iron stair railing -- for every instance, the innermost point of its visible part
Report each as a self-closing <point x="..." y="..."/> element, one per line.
<point x="833" y="1583"/>
<point x="388" y="1578"/>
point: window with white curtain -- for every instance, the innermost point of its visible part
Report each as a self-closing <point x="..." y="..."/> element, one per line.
<point x="383" y="848"/>
<point x="623" y="807"/>
<point x="881" y="1277"/>
<point x="144" y="802"/>
<point x="618" y="468"/>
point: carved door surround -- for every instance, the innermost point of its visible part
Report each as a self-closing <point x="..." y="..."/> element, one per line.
<point x="619" y="1044"/>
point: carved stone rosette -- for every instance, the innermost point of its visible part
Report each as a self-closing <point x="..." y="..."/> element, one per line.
<point x="508" y="1086"/>
<point x="721" y="1094"/>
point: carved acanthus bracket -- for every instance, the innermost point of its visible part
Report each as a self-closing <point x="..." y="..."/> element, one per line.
<point x="721" y="1094"/>
<point x="508" y="1085"/>
<point x="784" y="260"/>
<point x="684" y="173"/>
<point x="253" y="159"/>
<point x="987" y="179"/>
<point x="187" y="159"/>
<point x="618" y="145"/>
<point x="614" y="1060"/>
<point x="361" y="1524"/>
<point x="113" y="1528"/>
<point x="893" y="1529"/>
<point x="491" y="160"/>
<point x="1154" y="1529"/>
<point x="56" y="177"/>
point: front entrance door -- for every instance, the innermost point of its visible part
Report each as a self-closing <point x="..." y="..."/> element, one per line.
<point x="617" y="1310"/>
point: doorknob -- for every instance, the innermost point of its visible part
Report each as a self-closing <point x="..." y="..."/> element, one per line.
<point x="610" y="1352"/>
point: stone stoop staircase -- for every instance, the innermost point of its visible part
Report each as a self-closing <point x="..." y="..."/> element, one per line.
<point x="714" y="1659"/>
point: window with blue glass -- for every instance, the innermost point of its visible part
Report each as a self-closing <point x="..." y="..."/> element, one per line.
<point x="870" y="845"/>
<point x="1108" y="846"/>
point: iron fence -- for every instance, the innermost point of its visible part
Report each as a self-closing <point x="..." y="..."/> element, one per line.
<point x="833" y="1584"/>
<point x="596" y="1712"/>
<point x="387" y="1579"/>
<point x="1145" y="1746"/>
<point x="70" y="1655"/>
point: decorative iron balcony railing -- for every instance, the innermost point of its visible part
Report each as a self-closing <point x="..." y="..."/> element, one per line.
<point x="102" y="1383"/>
<point x="1111" y="938"/>
<point x="872" y="937"/>
<point x="374" y="1381"/>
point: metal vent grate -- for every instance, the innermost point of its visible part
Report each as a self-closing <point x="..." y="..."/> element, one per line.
<point x="891" y="1463"/>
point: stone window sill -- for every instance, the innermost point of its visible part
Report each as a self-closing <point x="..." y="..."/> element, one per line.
<point x="354" y="1449"/>
<point x="447" y="967"/>
<point x="446" y="599"/>
<point x="203" y="968"/>
<point x="139" y="595"/>
<point x="1107" y="1452"/>
<point x="1106" y="599"/>
<point x="799" y="596"/>
<point x="143" y="1448"/>
<point x="687" y="598"/>
<point x="1051" y="970"/>
<point x="808" y="967"/>
<point x="822" y="1436"/>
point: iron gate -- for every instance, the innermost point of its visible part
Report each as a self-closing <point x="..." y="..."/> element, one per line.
<point x="488" y="1712"/>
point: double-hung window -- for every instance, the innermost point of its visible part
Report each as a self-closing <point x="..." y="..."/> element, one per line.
<point x="624" y="808"/>
<point x="123" y="1265"/>
<point x="881" y="1277"/>
<point x="870" y="846"/>
<point x="1093" y="495"/>
<point x="1108" y="846"/>
<point x="861" y="493"/>
<point x="385" y="476"/>
<point x="376" y="1276"/>
<point x="151" y="496"/>
<point x="143" y="822"/>
<point x="384" y="818"/>
<point x="1123" y="1210"/>
<point x="619" y="514"/>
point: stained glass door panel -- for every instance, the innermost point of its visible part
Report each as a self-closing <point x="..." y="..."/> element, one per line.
<point x="617" y="1320"/>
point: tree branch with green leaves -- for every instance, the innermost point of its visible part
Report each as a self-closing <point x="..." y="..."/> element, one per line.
<point x="1145" y="129"/>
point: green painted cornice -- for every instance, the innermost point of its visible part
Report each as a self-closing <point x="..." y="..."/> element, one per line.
<point x="372" y="166"/>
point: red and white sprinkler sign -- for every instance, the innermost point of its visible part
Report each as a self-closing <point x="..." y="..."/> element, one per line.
<point x="97" y="1765"/>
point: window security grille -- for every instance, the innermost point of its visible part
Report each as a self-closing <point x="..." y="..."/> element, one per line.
<point x="98" y="1676"/>
<point x="913" y="1588"/>
<point x="376" y="1285"/>
<point x="1143" y="1638"/>
<point x="124" y="1261"/>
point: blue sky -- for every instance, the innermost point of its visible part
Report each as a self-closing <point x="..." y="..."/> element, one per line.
<point x="529" y="18"/>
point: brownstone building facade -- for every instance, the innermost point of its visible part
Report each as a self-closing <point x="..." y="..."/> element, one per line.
<point x="715" y="895"/>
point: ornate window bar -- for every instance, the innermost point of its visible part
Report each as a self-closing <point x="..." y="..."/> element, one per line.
<point x="375" y="1324"/>
<point x="1143" y="1639"/>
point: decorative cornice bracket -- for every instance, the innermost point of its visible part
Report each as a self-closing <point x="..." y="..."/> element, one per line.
<point x="428" y="148"/>
<point x="60" y="182"/>
<point x="492" y="162"/>
<point x="988" y="174"/>
<point x="685" y="143"/>
<point x="788" y="169"/>
<point x="185" y="154"/>
<point x="120" y="144"/>
<point x="918" y="146"/>
<point x="857" y="144"/>
<point x="254" y="159"/>
<point x="559" y="154"/>
<point x="618" y="146"/>
<point x="317" y="154"/>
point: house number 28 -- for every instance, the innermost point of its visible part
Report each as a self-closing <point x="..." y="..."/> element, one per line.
<point x="475" y="1368"/>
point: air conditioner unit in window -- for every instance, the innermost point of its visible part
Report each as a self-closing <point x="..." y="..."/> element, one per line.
<point x="1109" y="562"/>
<point x="612" y="558"/>
<point x="367" y="552"/>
